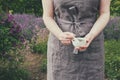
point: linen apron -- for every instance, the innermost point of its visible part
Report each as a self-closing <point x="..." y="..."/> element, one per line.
<point x="77" y="16"/>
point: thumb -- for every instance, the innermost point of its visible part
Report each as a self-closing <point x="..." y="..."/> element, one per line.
<point x="71" y="34"/>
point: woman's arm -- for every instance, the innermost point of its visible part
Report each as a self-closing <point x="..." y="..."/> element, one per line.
<point x="99" y="24"/>
<point x="48" y="11"/>
<point x="103" y="18"/>
<point x="48" y="17"/>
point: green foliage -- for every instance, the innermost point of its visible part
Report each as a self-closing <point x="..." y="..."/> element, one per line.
<point x="112" y="62"/>
<point x="112" y="31"/>
<point x="10" y="44"/>
<point x="40" y="47"/>
<point x="13" y="73"/>
<point x="10" y="35"/>
<point x="10" y="68"/>
<point x="115" y="7"/>
<point x="22" y="6"/>
<point x="43" y="66"/>
<point x="35" y="6"/>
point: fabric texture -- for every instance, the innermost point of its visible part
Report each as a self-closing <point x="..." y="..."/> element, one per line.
<point x="77" y="16"/>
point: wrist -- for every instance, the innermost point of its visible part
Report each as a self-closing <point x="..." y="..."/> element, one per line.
<point x="59" y="35"/>
<point x="90" y="36"/>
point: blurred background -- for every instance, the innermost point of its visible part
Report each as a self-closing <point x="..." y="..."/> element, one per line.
<point x="23" y="41"/>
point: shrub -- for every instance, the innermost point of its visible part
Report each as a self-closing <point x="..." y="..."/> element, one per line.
<point x="10" y="34"/>
<point x="112" y="61"/>
<point x="40" y="47"/>
<point x="11" y="41"/>
<point x="13" y="73"/>
<point x="43" y="66"/>
<point x="113" y="29"/>
<point x="22" y="6"/>
<point x="30" y="24"/>
<point x="39" y="41"/>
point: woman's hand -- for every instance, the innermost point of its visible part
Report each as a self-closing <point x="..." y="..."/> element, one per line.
<point x="89" y="37"/>
<point x="66" y="37"/>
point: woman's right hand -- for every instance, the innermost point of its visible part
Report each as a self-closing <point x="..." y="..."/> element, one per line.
<point x="66" y="37"/>
<point x="89" y="37"/>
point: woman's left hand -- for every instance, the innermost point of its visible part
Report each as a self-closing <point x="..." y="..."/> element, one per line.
<point x="89" y="37"/>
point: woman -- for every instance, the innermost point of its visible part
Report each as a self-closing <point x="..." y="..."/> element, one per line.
<point x="67" y="19"/>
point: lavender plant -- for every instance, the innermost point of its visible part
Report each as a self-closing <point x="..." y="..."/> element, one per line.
<point x="11" y="41"/>
<point x="10" y="34"/>
<point x="28" y="23"/>
<point x="113" y="29"/>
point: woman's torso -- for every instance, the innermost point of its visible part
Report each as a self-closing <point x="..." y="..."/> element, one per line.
<point x="79" y="9"/>
<point x="77" y="16"/>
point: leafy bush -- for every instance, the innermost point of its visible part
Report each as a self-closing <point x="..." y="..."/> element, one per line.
<point x="112" y="62"/>
<point x="39" y="41"/>
<point x="115" y="8"/>
<point x="35" y="6"/>
<point x="112" y="44"/>
<point x="10" y="34"/>
<point x="22" y="6"/>
<point x="30" y="24"/>
<point x="10" y="67"/>
<point x="13" y="73"/>
<point x="11" y="41"/>
<point x="40" y="47"/>
<point x="112" y="31"/>
<point x="43" y="66"/>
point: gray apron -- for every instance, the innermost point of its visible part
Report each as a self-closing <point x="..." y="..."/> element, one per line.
<point x="77" y="16"/>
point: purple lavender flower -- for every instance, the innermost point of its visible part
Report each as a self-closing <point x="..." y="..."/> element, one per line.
<point x="28" y="23"/>
<point x="10" y="17"/>
<point x="22" y="39"/>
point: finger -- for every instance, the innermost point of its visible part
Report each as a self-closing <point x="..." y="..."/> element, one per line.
<point x="77" y="48"/>
<point x="64" y="39"/>
<point x="70" y="35"/>
<point x="66" y="42"/>
<point x="63" y="36"/>
<point x="81" y="48"/>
